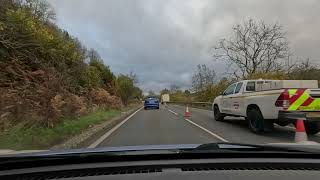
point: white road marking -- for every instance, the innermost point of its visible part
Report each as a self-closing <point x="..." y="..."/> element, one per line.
<point x="292" y="128"/>
<point x="241" y="118"/>
<point x="173" y="112"/>
<point x="288" y="127"/>
<point x="107" y="134"/>
<point x="204" y="129"/>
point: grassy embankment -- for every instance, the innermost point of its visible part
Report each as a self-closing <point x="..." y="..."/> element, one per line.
<point x="20" y="138"/>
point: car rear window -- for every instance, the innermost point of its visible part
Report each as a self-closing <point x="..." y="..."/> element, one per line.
<point x="152" y="100"/>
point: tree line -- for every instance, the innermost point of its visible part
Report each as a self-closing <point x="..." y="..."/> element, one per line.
<point x="47" y="74"/>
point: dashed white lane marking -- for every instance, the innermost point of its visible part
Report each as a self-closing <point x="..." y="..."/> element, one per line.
<point x="204" y="129"/>
<point x="107" y="134"/>
<point x="287" y="127"/>
<point x="173" y="112"/>
<point x="292" y="128"/>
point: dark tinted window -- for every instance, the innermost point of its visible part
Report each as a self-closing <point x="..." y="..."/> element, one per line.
<point x="251" y="86"/>
<point x="239" y="85"/>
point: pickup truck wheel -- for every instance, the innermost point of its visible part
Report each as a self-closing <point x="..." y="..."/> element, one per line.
<point x="257" y="123"/>
<point x="311" y="128"/>
<point x="218" y="116"/>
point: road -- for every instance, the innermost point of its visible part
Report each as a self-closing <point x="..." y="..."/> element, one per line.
<point x="168" y="126"/>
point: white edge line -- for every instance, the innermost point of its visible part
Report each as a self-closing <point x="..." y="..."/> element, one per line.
<point x="107" y="134"/>
<point x="206" y="130"/>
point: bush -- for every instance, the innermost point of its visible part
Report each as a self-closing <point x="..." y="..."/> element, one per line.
<point x="125" y="88"/>
<point x="74" y="106"/>
<point x="102" y="98"/>
<point x="179" y="96"/>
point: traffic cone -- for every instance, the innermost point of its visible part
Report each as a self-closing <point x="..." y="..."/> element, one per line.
<point x="301" y="135"/>
<point x="187" y="113"/>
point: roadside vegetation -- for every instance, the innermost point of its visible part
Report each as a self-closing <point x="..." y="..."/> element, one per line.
<point x="49" y="82"/>
<point x="39" y="137"/>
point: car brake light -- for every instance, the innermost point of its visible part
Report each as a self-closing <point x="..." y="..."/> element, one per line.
<point x="283" y="100"/>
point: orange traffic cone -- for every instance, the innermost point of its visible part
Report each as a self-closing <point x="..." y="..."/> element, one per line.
<point x="187" y="113"/>
<point x="301" y="135"/>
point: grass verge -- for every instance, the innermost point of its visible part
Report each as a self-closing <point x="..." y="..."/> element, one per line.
<point x="20" y="138"/>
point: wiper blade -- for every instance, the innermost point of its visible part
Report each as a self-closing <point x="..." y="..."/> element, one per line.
<point x="238" y="147"/>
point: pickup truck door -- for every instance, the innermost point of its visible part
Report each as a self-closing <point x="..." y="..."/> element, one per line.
<point x="236" y="101"/>
<point x="226" y="99"/>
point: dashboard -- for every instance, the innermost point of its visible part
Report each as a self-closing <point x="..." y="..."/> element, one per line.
<point x="224" y="169"/>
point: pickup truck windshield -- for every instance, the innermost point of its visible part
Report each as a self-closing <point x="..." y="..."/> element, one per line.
<point x="239" y="85"/>
<point x="230" y="89"/>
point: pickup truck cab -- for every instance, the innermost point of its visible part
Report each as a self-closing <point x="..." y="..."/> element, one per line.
<point x="265" y="102"/>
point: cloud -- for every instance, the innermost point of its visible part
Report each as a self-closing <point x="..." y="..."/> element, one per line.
<point x="162" y="41"/>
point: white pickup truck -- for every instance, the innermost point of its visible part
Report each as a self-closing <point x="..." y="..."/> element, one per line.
<point x="265" y="102"/>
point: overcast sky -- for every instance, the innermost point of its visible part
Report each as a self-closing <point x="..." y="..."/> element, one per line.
<point x="162" y="41"/>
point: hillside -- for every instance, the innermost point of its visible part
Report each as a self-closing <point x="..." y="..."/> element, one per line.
<point x="47" y="74"/>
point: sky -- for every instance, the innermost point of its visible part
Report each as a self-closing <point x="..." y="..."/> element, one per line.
<point x="162" y="41"/>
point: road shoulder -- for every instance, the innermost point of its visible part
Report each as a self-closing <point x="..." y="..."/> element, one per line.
<point x="90" y="135"/>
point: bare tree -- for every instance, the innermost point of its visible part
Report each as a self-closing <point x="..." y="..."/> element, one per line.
<point x="40" y="8"/>
<point x="151" y="93"/>
<point x="93" y="54"/>
<point x="254" y="47"/>
<point x="165" y="91"/>
<point x="202" y="78"/>
<point x="134" y="77"/>
<point x="174" y="88"/>
<point x="305" y="69"/>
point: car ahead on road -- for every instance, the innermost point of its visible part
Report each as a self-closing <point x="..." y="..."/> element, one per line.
<point x="223" y="161"/>
<point x="265" y="102"/>
<point x="151" y="103"/>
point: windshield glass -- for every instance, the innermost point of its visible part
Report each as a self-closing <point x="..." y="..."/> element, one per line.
<point x="112" y="73"/>
<point x="230" y="89"/>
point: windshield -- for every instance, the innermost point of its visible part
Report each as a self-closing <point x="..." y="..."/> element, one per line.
<point x="113" y="73"/>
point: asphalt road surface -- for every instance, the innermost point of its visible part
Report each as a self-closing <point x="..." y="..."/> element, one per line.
<point x="168" y="126"/>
